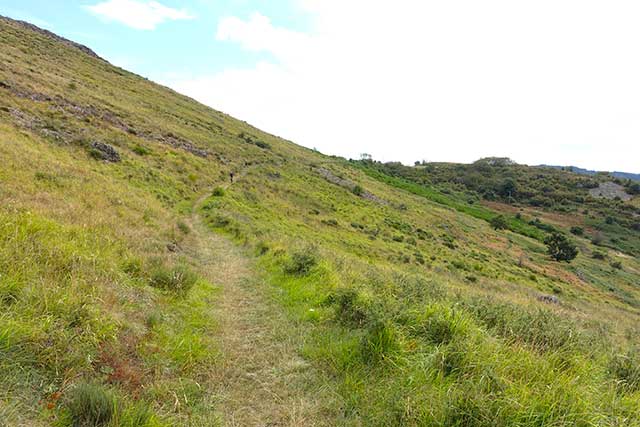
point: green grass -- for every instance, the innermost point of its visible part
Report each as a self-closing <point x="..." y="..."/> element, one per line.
<point x="514" y="224"/>
<point x="411" y="306"/>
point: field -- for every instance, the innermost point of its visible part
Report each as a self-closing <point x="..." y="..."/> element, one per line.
<point x="144" y="288"/>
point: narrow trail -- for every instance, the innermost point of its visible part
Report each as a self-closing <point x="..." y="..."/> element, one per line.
<point x="260" y="379"/>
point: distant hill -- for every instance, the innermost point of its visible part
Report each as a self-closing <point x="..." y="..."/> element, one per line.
<point x="616" y="174"/>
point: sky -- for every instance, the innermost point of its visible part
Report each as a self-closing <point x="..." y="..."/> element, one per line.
<point x="542" y="82"/>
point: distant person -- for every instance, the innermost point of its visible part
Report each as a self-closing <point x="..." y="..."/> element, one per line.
<point x="231" y="175"/>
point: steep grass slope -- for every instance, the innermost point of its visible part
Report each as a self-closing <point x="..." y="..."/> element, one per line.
<point x="408" y="309"/>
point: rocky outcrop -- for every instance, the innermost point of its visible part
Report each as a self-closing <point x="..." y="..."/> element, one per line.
<point x="105" y="152"/>
<point x="348" y="184"/>
<point x="610" y="190"/>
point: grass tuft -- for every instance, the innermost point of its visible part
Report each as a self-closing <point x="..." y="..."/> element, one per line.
<point x="90" y="405"/>
<point x="179" y="279"/>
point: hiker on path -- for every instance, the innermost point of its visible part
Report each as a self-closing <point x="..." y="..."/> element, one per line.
<point x="231" y="175"/>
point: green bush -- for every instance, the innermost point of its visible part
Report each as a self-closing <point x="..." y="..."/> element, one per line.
<point x="262" y="144"/>
<point x="90" y="405"/>
<point x="218" y="192"/>
<point x="498" y="222"/>
<point x="301" y="261"/>
<point x="351" y="309"/>
<point x="598" y="255"/>
<point x="560" y="248"/>
<point x="262" y="247"/>
<point x="179" y="279"/>
<point x="183" y="227"/>
<point x="578" y="231"/>
<point x="330" y="222"/>
<point x="140" y="150"/>
<point x="357" y="190"/>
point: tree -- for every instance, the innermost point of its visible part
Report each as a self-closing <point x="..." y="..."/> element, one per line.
<point x="560" y="247"/>
<point x="508" y="189"/>
<point x="578" y="231"/>
<point x="633" y="188"/>
<point x="498" y="222"/>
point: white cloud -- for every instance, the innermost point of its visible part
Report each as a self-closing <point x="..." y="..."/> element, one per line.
<point x="141" y="15"/>
<point x="552" y="81"/>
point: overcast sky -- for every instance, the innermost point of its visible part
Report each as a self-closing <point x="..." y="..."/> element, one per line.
<point x="555" y="82"/>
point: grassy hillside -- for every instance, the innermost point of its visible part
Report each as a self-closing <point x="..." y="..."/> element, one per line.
<point x="140" y="286"/>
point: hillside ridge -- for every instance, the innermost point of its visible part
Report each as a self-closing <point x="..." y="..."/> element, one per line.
<point x="164" y="264"/>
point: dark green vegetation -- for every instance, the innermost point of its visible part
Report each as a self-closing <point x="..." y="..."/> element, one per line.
<point x="413" y="307"/>
<point x="560" y="247"/>
<point x="566" y="197"/>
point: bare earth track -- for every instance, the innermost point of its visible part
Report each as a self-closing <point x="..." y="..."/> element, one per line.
<point x="260" y="379"/>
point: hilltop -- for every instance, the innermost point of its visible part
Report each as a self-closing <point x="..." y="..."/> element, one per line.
<point x="163" y="263"/>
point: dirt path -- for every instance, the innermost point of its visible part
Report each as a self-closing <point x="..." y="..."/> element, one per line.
<point x="261" y="380"/>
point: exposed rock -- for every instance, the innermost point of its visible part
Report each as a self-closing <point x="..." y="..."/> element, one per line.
<point x="173" y="247"/>
<point x="27" y="121"/>
<point x="83" y="112"/>
<point x="183" y="144"/>
<point x="24" y="93"/>
<point x="549" y="299"/>
<point x="610" y="190"/>
<point x="348" y="184"/>
<point x="105" y="152"/>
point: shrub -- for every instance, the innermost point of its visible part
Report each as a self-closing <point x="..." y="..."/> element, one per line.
<point x="597" y="239"/>
<point x="262" y="247"/>
<point x="598" y="255"/>
<point x="357" y="190"/>
<point x="330" y="222"/>
<point x="617" y="265"/>
<point x="140" y="150"/>
<point x="183" y="227"/>
<point x="218" y="192"/>
<point x="578" y="231"/>
<point x="351" y="309"/>
<point x="560" y="248"/>
<point x="179" y="279"/>
<point x="301" y="261"/>
<point x="90" y="406"/>
<point x="498" y="222"/>
<point x="262" y="144"/>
